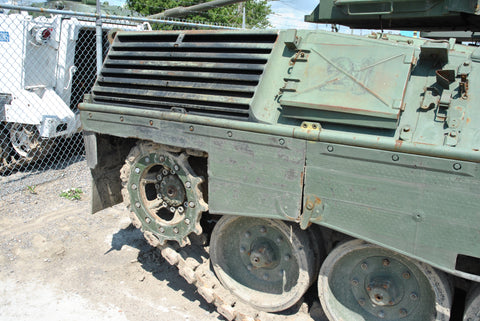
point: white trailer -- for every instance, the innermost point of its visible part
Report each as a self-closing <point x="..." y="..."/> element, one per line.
<point x="48" y="64"/>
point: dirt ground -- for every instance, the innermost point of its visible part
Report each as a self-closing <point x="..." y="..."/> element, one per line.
<point x="59" y="262"/>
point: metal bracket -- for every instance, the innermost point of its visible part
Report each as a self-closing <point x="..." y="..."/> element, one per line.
<point x="312" y="209"/>
<point x="292" y="40"/>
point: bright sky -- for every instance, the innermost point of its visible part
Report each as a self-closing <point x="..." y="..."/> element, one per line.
<point x="289" y="14"/>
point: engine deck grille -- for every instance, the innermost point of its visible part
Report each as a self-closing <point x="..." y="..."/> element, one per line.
<point x="203" y="73"/>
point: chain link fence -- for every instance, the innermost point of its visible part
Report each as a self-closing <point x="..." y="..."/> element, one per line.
<point x="49" y="62"/>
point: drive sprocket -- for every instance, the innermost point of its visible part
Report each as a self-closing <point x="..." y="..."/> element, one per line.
<point x="163" y="194"/>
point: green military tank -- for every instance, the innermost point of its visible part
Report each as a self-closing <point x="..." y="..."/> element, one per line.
<point x="284" y="170"/>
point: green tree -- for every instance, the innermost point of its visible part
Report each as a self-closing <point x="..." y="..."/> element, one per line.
<point x="256" y="11"/>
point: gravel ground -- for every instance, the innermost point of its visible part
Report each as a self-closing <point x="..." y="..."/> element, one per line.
<point x="58" y="262"/>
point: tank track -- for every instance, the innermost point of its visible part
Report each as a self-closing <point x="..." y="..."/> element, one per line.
<point x="193" y="263"/>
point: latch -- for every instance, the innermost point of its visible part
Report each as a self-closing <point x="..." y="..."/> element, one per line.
<point x="312" y="210"/>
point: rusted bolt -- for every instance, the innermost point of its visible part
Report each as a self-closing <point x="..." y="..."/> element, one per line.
<point x="309" y="206"/>
<point x="330" y="148"/>
<point x="191" y="128"/>
<point x="151" y="123"/>
<point x="406" y="275"/>
<point x="457" y="166"/>
<point x="302" y="55"/>
<point x="386" y="262"/>
<point x="413" y="296"/>
<point x="395" y="157"/>
<point x="121" y="118"/>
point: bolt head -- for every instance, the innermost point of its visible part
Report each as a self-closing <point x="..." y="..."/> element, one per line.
<point x="148" y="220"/>
<point x="191" y="204"/>
<point x="287" y="257"/>
<point x="187" y="221"/>
<point x="386" y="262"/>
<point x="406" y="275"/>
<point x="137" y="170"/>
<point x="137" y="205"/>
<point x="134" y="186"/>
<point x="354" y="282"/>
<point x="403" y="312"/>
<point x="147" y="159"/>
<point x="175" y="230"/>
<point x="263" y="229"/>
<point x="413" y="296"/>
<point x="364" y="266"/>
<point x="159" y="177"/>
<point x="188" y="184"/>
<point x="162" y="230"/>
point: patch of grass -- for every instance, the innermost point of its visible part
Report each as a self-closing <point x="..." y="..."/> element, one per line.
<point x="73" y="194"/>
<point x="31" y="189"/>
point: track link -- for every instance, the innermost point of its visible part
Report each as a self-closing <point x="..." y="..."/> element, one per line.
<point x="193" y="263"/>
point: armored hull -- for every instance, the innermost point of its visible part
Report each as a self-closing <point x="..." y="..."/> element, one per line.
<point x="297" y="154"/>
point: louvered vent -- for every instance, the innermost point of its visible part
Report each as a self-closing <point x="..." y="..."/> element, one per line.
<point x="210" y="74"/>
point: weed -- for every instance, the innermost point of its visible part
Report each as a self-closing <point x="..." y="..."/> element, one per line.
<point x="31" y="189"/>
<point x="72" y="194"/>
